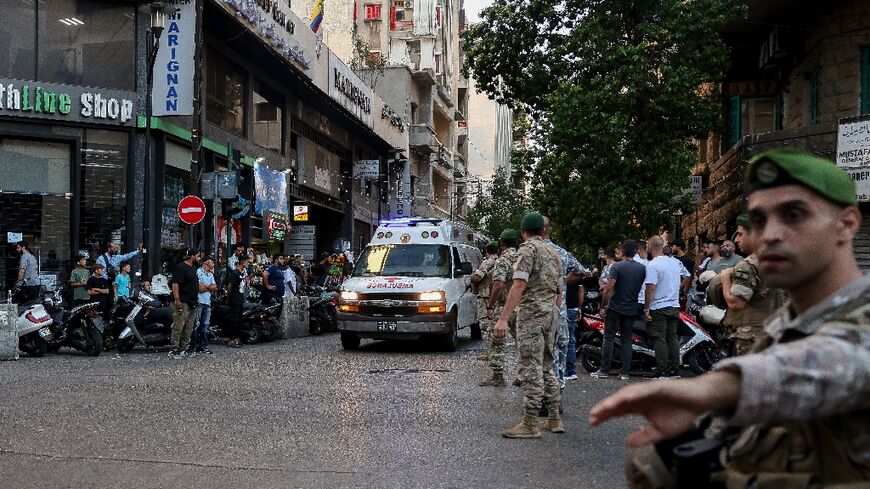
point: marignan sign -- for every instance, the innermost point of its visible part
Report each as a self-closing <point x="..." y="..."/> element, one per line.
<point x="172" y="93"/>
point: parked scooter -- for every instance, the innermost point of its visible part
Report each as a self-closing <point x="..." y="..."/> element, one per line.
<point x="321" y="309"/>
<point x="698" y="350"/>
<point x="147" y="322"/>
<point x="80" y="328"/>
<point x="260" y="321"/>
<point x="34" y="330"/>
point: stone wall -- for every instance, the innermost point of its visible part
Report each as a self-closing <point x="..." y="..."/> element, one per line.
<point x="8" y="332"/>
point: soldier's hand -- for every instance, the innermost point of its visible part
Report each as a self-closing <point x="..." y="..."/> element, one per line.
<point x="500" y="329"/>
<point x="490" y="313"/>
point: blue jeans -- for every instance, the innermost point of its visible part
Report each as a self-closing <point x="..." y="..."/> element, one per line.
<point x="571" y="358"/>
<point x="201" y="320"/>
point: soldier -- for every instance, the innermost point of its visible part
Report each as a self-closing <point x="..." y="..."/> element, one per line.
<point x="481" y="280"/>
<point x="536" y="288"/>
<point x="750" y="301"/>
<point x="802" y="405"/>
<point x="502" y="279"/>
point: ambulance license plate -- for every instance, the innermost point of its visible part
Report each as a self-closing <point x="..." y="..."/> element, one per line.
<point x="386" y="325"/>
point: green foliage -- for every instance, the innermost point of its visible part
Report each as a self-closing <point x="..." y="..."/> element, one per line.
<point x="498" y="207"/>
<point x="367" y="64"/>
<point x="617" y="90"/>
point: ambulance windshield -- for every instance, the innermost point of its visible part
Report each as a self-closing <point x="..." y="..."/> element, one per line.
<point x="408" y="260"/>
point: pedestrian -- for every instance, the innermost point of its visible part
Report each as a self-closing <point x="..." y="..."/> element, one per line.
<point x="800" y="408"/>
<point x="610" y="257"/>
<point x="502" y="281"/>
<point x="572" y="271"/>
<point x="121" y="284"/>
<point x="727" y="257"/>
<point x="619" y="308"/>
<point x="238" y="252"/>
<point x="273" y="280"/>
<point x="679" y="248"/>
<point x="28" y="274"/>
<point x="662" y="285"/>
<point x="78" y="280"/>
<point x="236" y="292"/>
<point x="291" y="279"/>
<point x="100" y="291"/>
<point x="537" y="279"/>
<point x="481" y="283"/>
<point x="202" y="316"/>
<point x="574" y="298"/>
<point x="750" y="301"/>
<point x="185" y="292"/>
<point x="111" y="260"/>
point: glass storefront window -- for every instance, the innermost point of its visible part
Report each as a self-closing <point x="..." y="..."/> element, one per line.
<point x="225" y="93"/>
<point x="268" y="118"/>
<point x="103" y="189"/>
<point x="17" y="39"/>
<point x="80" y="39"/>
<point x="34" y="167"/>
<point x="173" y="232"/>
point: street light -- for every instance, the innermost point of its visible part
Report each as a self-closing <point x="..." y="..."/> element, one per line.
<point x="152" y="40"/>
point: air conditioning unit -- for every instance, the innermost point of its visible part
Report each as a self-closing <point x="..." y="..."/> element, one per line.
<point x="777" y="44"/>
<point x="409" y="5"/>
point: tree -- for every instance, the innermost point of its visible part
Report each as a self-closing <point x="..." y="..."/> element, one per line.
<point x="617" y="91"/>
<point x="367" y="64"/>
<point x="499" y="206"/>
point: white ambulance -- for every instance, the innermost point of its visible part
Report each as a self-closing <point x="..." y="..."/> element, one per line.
<point x="412" y="281"/>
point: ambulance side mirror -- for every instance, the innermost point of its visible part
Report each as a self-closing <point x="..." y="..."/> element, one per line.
<point x="465" y="268"/>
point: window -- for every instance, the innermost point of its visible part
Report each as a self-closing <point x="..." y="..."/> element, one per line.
<point x="225" y="93"/>
<point x="17" y="40"/>
<point x="865" y="79"/>
<point x="373" y="12"/>
<point x="732" y="122"/>
<point x="813" y="109"/>
<point x="757" y="115"/>
<point x="438" y="16"/>
<point x="103" y="188"/>
<point x="268" y="117"/>
<point x="438" y="63"/>
<point x="85" y="42"/>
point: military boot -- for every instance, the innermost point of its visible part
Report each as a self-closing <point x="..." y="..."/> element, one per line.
<point x="497" y="380"/>
<point x="554" y="420"/>
<point x="528" y="428"/>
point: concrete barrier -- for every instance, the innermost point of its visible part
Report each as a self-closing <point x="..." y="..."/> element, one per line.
<point x="294" y="317"/>
<point x="8" y="332"/>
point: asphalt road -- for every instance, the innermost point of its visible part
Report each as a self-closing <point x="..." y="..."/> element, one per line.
<point x="295" y="413"/>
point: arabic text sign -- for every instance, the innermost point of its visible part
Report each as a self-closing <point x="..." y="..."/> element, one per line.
<point x="853" y="144"/>
<point x="367" y="169"/>
<point x="861" y="176"/>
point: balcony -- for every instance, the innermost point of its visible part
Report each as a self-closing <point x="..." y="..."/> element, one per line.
<point x="423" y="139"/>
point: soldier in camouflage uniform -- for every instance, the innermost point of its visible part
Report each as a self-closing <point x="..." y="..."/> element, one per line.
<point x="750" y="301"/>
<point x="481" y="280"/>
<point x="502" y="279"/>
<point x="801" y="405"/>
<point x="537" y="279"/>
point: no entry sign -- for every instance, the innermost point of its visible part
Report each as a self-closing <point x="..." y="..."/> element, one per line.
<point x="191" y="210"/>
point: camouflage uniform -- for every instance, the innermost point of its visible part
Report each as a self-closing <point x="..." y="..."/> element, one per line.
<point x="484" y="271"/>
<point x="745" y="325"/>
<point x="805" y="401"/>
<point x="560" y="318"/>
<point x="540" y="266"/>
<point x="503" y="271"/>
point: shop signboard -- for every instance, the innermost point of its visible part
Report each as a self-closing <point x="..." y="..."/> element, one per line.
<point x="172" y="93"/>
<point x="300" y="213"/>
<point x="853" y="143"/>
<point x="275" y="23"/>
<point x="400" y="189"/>
<point x="861" y="176"/>
<point x="276" y="226"/>
<point x="302" y="241"/>
<point x="349" y="90"/>
<point x="367" y="169"/>
<point x="270" y="188"/>
<point x="69" y="103"/>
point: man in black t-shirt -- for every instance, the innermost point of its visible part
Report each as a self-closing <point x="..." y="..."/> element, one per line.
<point x="99" y="291"/>
<point x="679" y="248"/>
<point x="621" y="306"/>
<point x="237" y="289"/>
<point x="185" y="291"/>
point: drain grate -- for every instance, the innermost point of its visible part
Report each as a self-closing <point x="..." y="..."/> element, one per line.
<point x="409" y="370"/>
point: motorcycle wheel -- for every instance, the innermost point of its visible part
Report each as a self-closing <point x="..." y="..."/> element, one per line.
<point x="315" y="325"/>
<point x="590" y="363"/>
<point x="252" y="336"/>
<point x="126" y="345"/>
<point x="93" y="342"/>
<point x="700" y="360"/>
<point x="476" y="333"/>
<point x="34" y="347"/>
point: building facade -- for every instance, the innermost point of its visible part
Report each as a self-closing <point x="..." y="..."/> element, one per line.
<point x="799" y="74"/>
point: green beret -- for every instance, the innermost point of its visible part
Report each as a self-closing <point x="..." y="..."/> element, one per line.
<point x="510" y="235"/>
<point x="531" y="221"/>
<point x="493" y="244"/>
<point x="790" y="166"/>
<point x="743" y="220"/>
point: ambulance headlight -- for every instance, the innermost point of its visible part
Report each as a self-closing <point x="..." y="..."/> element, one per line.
<point x="347" y="295"/>
<point x="436" y="296"/>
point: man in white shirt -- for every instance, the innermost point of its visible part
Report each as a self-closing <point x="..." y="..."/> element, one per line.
<point x="662" y="306"/>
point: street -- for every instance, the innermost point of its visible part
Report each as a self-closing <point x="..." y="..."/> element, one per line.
<point x="294" y="413"/>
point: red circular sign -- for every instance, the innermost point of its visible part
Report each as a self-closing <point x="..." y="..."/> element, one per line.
<point x="191" y="210"/>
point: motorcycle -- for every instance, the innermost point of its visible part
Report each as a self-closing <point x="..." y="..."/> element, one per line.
<point x="146" y="321"/>
<point x="698" y="350"/>
<point x="80" y="328"/>
<point x="321" y="309"/>
<point x="260" y="321"/>
<point x="34" y="331"/>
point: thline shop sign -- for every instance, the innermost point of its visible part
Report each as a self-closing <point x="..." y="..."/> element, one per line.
<point x="351" y="92"/>
<point x="59" y="102"/>
<point x="174" y="67"/>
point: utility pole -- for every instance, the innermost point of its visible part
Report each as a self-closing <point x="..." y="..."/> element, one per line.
<point x="196" y="130"/>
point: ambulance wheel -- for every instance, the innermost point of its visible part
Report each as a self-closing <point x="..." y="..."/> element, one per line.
<point x="450" y="340"/>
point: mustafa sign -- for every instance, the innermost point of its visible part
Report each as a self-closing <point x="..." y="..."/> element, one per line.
<point x="853" y="143"/>
<point x="66" y="102"/>
<point x="349" y="90"/>
<point x="174" y="67"/>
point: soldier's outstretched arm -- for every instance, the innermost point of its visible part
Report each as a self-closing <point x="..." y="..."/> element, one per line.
<point x="819" y="376"/>
<point x="669" y="406"/>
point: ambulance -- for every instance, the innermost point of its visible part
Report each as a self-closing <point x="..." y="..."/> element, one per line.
<point x="412" y="281"/>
